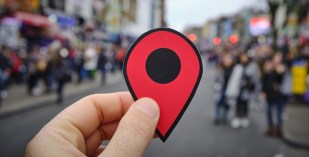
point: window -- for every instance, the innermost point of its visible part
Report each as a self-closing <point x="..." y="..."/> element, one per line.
<point x="129" y="9"/>
<point x="133" y="9"/>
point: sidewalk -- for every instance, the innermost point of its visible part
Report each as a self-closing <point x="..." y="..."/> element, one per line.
<point x="18" y="99"/>
<point x="296" y="125"/>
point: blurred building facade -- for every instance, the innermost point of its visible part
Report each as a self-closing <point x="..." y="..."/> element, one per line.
<point x="286" y="22"/>
<point x="108" y="20"/>
<point x="238" y="27"/>
<point x="133" y="17"/>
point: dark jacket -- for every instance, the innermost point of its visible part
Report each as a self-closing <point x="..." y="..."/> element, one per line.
<point x="271" y="86"/>
<point x="61" y="70"/>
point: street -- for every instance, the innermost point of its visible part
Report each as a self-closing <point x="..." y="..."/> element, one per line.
<point x="195" y="134"/>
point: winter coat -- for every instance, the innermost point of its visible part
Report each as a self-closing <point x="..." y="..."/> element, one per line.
<point x="271" y="85"/>
<point x="244" y="80"/>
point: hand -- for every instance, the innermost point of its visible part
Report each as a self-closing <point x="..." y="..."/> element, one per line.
<point x="80" y="129"/>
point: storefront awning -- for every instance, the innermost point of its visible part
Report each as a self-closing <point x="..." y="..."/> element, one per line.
<point x="33" y="19"/>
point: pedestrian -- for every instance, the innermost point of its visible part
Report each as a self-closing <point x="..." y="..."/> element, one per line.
<point x="5" y="66"/>
<point x="224" y="72"/>
<point x="120" y="56"/>
<point x="33" y="66"/>
<point x="61" y="71"/>
<point x="274" y="71"/>
<point x="102" y="66"/>
<point x="41" y="68"/>
<point x="79" y="65"/>
<point x="16" y="62"/>
<point x="110" y="55"/>
<point x="90" y="61"/>
<point x="246" y="82"/>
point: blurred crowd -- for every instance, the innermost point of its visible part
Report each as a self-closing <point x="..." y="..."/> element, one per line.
<point x="57" y="65"/>
<point x="260" y="77"/>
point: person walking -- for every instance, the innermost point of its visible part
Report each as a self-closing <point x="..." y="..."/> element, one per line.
<point x="32" y="66"/>
<point x="247" y="81"/>
<point x="102" y="66"/>
<point x="120" y="56"/>
<point x="274" y="71"/>
<point x="224" y="72"/>
<point x="90" y="61"/>
<point x="61" y="71"/>
<point x="5" y="66"/>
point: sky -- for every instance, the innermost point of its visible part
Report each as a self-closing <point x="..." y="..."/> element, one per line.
<point x="182" y="13"/>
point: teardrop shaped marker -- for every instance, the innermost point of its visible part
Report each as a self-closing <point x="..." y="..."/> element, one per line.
<point x="164" y="65"/>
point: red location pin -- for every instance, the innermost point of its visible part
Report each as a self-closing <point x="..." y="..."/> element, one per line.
<point x="164" y="65"/>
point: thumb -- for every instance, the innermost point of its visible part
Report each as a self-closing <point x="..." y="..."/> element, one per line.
<point x="135" y="130"/>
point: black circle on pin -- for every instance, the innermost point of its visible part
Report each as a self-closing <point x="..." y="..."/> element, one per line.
<point x="163" y="65"/>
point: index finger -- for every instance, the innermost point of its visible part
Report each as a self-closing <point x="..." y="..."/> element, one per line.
<point x="88" y="113"/>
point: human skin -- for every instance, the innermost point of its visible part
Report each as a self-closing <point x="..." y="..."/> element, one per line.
<point x="80" y="129"/>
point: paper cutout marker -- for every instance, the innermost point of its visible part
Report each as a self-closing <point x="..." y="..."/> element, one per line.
<point x="163" y="64"/>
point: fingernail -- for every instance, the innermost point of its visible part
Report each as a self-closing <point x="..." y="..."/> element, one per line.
<point x="148" y="107"/>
